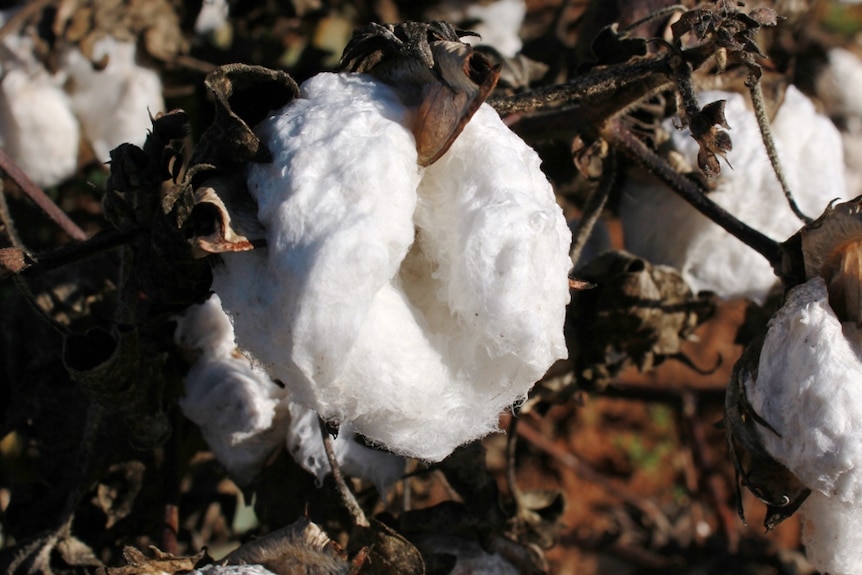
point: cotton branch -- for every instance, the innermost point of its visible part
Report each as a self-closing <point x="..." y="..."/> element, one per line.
<point x="620" y="136"/>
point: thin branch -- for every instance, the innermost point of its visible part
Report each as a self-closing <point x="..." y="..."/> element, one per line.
<point x="71" y="253"/>
<point x="756" y="90"/>
<point x="36" y="194"/>
<point x="593" y="209"/>
<point x="654" y="16"/>
<point x="343" y="490"/>
<point x="619" y="135"/>
<point x="644" y="76"/>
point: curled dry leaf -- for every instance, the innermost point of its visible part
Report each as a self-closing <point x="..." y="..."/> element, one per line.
<point x="137" y="563"/>
<point x="637" y="313"/>
<point x="224" y="215"/>
<point x="302" y="547"/>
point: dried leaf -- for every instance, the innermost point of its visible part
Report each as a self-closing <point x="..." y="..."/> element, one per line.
<point x="389" y="553"/>
<point x="159" y="564"/>
<point x="14" y="261"/>
<point x="224" y="218"/>
<point x="302" y="547"/>
<point x="638" y="314"/>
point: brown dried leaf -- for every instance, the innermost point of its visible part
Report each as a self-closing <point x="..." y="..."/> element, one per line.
<point x="117" y="491"/>
<point x="638" y="314"/>
<point x="302" y="547"/>
<point x="159" y="564"/>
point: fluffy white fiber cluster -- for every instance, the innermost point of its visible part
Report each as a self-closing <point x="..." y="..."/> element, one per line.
<point x="810" y="150"/>
<point x="43" y="115"/>
<point x="808" y="389"/>
<point x="245" y="417"/>
<point x="414" y="303"/>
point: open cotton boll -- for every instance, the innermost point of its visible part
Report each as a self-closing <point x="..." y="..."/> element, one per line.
<point x="808" y="389"/>
<point x="113" y="104"/>
<point x="661" y="227"/>
<point x="419" y="352"/>
<point x="37" y="127"/>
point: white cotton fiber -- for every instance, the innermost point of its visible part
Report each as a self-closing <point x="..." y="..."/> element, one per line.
<point x="236" y="405"/>
<point x="832" y="534"/>
<point x="808" y="389"/>
<point x="113" y="104"/>
<point x="37" y="128"/>
<point x="664" y="229"/>
<point x="245" y="417"/>
<point x="418" y="354"/>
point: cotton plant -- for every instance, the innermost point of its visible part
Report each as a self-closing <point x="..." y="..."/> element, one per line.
<point x="414" y="279"/>
<point x="38" y="129"/>
<point x="245" y="417"/>
<point x="45" y="114"/>
<point x="811" y="154"/>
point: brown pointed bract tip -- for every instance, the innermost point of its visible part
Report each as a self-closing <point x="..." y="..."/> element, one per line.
<point x="441" y="79"/>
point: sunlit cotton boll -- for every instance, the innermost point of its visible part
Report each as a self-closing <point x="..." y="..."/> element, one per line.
<point x="37" y="128"/>
<point x="664" y="229"/>
<point x="414" y="304"/>
<point x="113" y="104"/>
<point x="807" y="388"/>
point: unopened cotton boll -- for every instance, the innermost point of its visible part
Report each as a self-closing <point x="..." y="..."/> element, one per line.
<point x="113" y="104"/>
<point x="37" y="127"/>
<point x="414" y="304"/>
<point x="663" y="228"/>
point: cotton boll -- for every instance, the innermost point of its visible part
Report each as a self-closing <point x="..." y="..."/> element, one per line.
<point x="709" y="258"/>
<point x="419" y="354"/>
<point x="305" y="444"/>
<point x="807" y="388"/>
<point x="839" y="83"/>
<point x="216" y="569"/>
<point x="499" y="24"/>
<point x="114" y="104"/>
<point x="337" y="203"/>
<point x="37" y="127"/>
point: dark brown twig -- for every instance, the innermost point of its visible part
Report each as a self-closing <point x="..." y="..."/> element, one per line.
<point x="36" y="194"/>
<point x="593" y="209"/>
<point x="616" y="133"/>
<point x="71" y="253"/>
